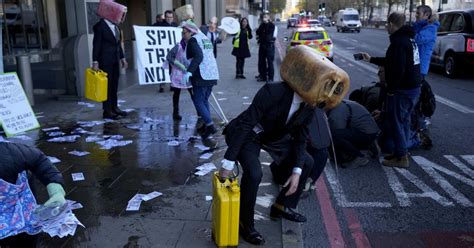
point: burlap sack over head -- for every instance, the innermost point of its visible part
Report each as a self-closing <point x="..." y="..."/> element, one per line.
<point x="184" y="13"/>
<point x="314" y="77"/>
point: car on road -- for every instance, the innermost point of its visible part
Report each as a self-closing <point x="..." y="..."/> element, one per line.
<point x="315" y="37"/>
<point x="454" y="47"/>
<point x="348" y="20"/>
<point x="291" y="22"/>
<point x="314" y="23"/>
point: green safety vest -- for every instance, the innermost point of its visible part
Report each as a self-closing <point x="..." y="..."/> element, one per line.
<point x="237" y="40"/>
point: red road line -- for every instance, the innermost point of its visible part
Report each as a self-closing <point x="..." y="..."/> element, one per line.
<point x="360" y="239"/>
<point x="331" y="224"/>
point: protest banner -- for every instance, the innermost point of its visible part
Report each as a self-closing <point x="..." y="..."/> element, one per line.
<point x="153" y="44"/>
<point x="16" y="115"/>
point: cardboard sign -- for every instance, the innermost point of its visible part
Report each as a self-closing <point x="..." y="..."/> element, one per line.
<point x="16" y="115"/>
<point x="153" y="44"/>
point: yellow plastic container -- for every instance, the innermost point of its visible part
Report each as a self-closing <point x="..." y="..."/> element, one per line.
<point x="96" y="85"/>
<point x="225" y="211"/>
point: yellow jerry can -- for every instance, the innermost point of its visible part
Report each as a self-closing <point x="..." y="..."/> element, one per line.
<point x="96" y="85"/>
<point x="225" y="211"/>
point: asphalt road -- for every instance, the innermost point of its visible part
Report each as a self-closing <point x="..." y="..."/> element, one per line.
<point x="428" y="205"/>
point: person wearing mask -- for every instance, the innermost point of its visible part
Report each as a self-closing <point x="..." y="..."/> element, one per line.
<point x="353" y="129"/>
<point x="266" y="35"/>
<point x="202" y="72"/>
<point x="108" y="55"/>
<point x="210" y="30"/>
<point x="17" y="197"/>
<point x="169" y="22"/>
<point x="402" y="75"/>
<point x="241" y="50"/>
<point x="276" y="111"/>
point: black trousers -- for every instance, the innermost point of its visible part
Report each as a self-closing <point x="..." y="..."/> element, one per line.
<point x="266" y="55"/>
<point x="239" y="66"/>
<point x="320" y="159"/>
<point x="349" y="142"/>
<point x="176" y="95"/>
<point x="252" y="176"/>
<point x="113" y="72"/>
<point x="21" y="240"/>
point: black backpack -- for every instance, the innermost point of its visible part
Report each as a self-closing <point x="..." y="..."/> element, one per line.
<point x="427" y="99"/>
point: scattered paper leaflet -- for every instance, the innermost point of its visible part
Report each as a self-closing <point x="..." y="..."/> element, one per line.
<point x="64" y="224"/>
<point x="136" y="201"/>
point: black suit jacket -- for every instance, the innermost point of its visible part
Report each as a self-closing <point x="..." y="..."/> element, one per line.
<point x="107" y="49"/>
<point x="270" y="108"/>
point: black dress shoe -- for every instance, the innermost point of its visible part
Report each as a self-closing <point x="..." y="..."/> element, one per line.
<point x="110" y="115"/>
<point x="243" y="77"/>
<point x="288" y="214"/>
<point x="120" y="112"/>
<point x="251" y="235"/>
<point x="261" y="79"/>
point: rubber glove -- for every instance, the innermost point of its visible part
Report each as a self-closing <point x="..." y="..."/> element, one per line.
<point x="187" y="76"/>
<point x="56" y="195"/>
<point x="179" y="65"/>
<point x="226" y="168"/>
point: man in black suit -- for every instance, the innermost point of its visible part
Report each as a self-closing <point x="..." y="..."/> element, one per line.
<point x="275" y="112"/>
<point x="210" y="30"/>
<point x="108" y="55"/>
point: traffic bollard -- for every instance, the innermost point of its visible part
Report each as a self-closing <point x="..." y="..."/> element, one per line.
<point x="24" y="73"/>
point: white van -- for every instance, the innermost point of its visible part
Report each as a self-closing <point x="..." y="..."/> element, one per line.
<point x="348" y="20"/>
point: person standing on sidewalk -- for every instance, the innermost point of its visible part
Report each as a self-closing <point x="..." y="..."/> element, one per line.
<point x="216" y="37"/>
<point x="241" y="50"/>
<point x="159" y="19"/>
<point x="402" y="74"/>
<point x="266" y="35"/>
<point x="169" y="22"/>
<point x="17" y="195"/>
<point x="108" y="55"/>
<point x="202" y="71"/>
<point x="276" y="111"/>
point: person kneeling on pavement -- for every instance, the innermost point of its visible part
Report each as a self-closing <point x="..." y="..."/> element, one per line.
<point x="352" y="129"/>
<point x="17" y="198"/>
<point x="276" y="111"/>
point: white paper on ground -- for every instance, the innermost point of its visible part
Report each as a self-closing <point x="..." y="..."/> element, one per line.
<point x="78" y="176"/>
<point x="68" y="139"/>
<point x="135" y="202"/>
<point x="266" y="163"/>
<point x="208" y="198"/>
<point x="129" y="110"/>
<point x="110" y="143"/>
<point x="246" y="103"/>
<point x="220" y="93"/>
<point x="259" y="216"/>
<point x="121" y="101"/>
<point x="205" y="169"/>
<point x="55" y="134"/>
<point x="50" y="129"/>
<point x="21" y="137"/>
<point x="89" y="105"/>
<point x="39" y="116"/>
<point x="264" y="184"/>
<point x="81" y="131"/>
<point x="93" y="138"/>
<point x="173" y="143"/>
<point x="265" y="201"/>
<point x="115" y="137"/>
<point x="134" y="127"/>
<point x="201" y="147"/>
<point x="90" y="123"/>
<point x="206" y="156"/>
<point x="245" y="97"/>
<point x="78" y="153"/>
<point x="222" y="99"/>
<point x="53" y="160"/>
<point x="151" y="195"/>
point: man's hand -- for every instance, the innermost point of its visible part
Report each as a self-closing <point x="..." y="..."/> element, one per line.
<point x="366" y="56"/>
<point x="124" y="63"/>
<point x="95" y="66"/>
<point x="292" y="182"/>
<point x="376" y="114"/>
<point x="187" y="76"/>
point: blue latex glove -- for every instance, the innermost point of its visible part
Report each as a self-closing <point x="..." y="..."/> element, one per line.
<point x="56" y="195"/>
<point x="187" y="76"/>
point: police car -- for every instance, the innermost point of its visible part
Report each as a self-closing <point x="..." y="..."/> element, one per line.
<point x="314" y="37"/>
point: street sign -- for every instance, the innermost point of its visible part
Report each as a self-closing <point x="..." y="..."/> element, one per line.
<point x="16" y="115"/>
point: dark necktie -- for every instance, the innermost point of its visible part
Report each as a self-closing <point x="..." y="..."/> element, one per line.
<point x="212" y="38"/>
<point x="117" y="32"/>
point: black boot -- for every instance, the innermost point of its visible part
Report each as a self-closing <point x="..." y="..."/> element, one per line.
<point x="176" y="95"/>
<point x="209" y="130"/>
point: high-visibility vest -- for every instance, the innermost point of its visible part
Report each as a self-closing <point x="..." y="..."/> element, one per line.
<point x="237" y="40"/>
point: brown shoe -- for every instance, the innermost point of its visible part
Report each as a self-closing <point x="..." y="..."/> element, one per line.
<point x="400" y="162"/>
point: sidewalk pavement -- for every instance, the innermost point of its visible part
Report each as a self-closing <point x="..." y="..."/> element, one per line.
<point x="181" y="217"/>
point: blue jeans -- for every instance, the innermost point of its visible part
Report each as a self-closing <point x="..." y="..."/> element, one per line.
<point x="201" y="102"/>
<point x="399" y="108"/>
